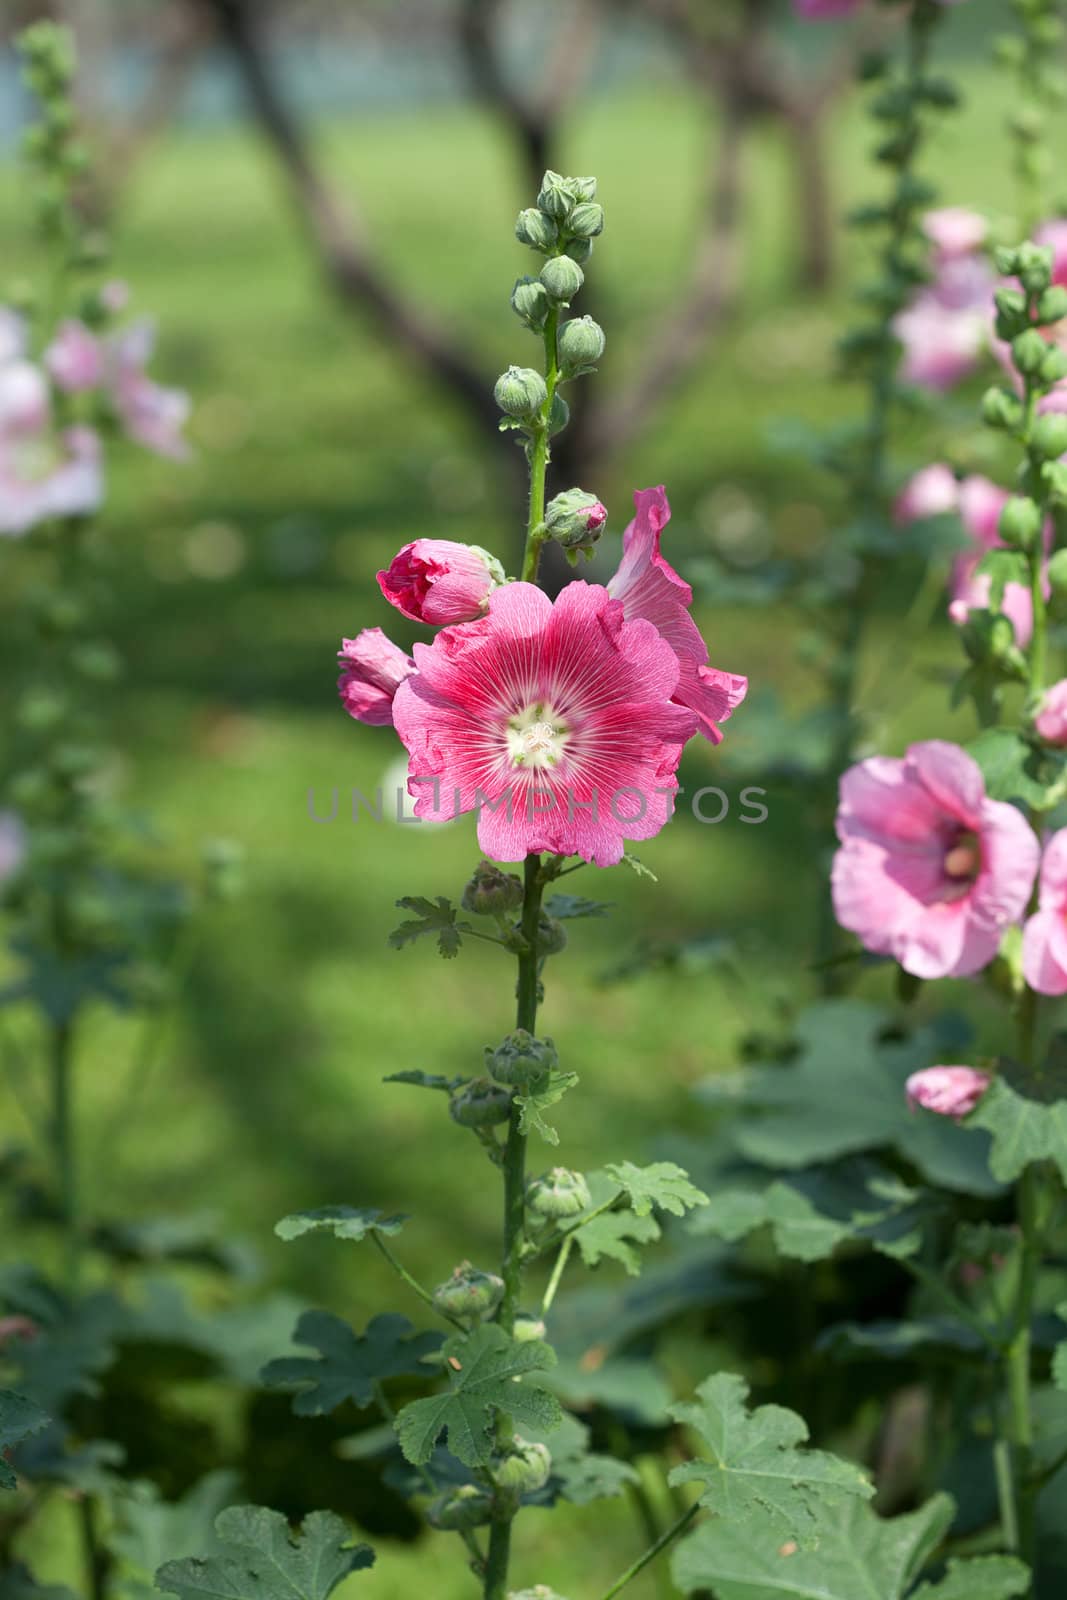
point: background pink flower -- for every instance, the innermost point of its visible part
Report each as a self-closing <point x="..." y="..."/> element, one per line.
<point x="1045" y="934"/>
<point x="554" y="721"/>
<point x="373" y="668"/>
<point x="930" y="493"/>
<point x="150" y="414"/>
<point x="950" y="1091"/>
<point x="439" y="581"/>
<point x="1051" y="719"/>
<point x="649" y="587"/>
<point x="980" y="505"/>
<point x="947" y="325"/>
<point x="75" y="358"/>
<point x="930" y="870"/>
<point x="955" y="231"/>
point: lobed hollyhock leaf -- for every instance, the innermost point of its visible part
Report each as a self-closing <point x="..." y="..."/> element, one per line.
<point x="758" y="1466"/>
<point x="264" y="1560"/>
<point x="859" y="1553"/>
<point x="19" y="1417"/>
<point x="150" y="1531"/>
<point x="1023" y="1130"/>
<point x="431" y="917"/>
<point x="662" y="1184"/>
<point x="533" y="1103"/>
<point x="612" y="1236"/>
<point x="483" y="1368"/>
<point x="344" y="1222"/>
<point x="349" y="1366"/>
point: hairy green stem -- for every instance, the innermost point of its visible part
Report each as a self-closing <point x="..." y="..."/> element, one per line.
<point x="413" y="1284"/>
<point x="653" y="1551"/>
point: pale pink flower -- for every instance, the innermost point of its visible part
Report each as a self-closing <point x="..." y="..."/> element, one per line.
<point x="150" y="414"/>
<point x="930" y="870"/>
<point x="553" y="721"/>
<point x="44" y="474"/>
<point x="950" y="1091"/>
<point x="1045" y="934"/>
<point x="12" y="844"/>
<point x="946" y="326"/>
<point x="440" y="582"/>
<point x="649" y="587"/>
<point x="980" y="505"/>
<point x="75" y="358"/>
<point x="25" y="407"/>
<point x="955" y="231"/>
<point x="1051" y="719"/>
<point x="373" y="668"/>
<point x="929" y="493"/>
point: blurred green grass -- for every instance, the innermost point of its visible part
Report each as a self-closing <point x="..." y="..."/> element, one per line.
<point x="318" y="453"/>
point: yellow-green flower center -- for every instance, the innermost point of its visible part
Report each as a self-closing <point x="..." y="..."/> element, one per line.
<point x="537" y="737"/>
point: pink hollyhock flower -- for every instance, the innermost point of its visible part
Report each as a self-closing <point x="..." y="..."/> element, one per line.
<point x="930" y="871"/>
<point x="955" y="231"/>
<point x="75" y="358"/>
<point x="42" y="474"/>
<point x="980" y="505"/>
<point x="373" y="668"/>
<point x="950" y="1091"/>
<point x="930" y="493"/>
<point x="649" y="587"/>
<point x="150" y="414"/>
<point x="1045" y="934"/>
<point x="1051" y="719"/>
<point x="946" y="326"/>
<point x="436" y="581"/>
<point x="553" y="722"/>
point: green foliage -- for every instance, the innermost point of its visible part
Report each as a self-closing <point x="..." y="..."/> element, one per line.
<point x="757" y="1471"/>
<point x="483" y="1369"/>
<point x="537" y="1100"/>
<point x="982" y="1578"/>
<point x="349" y="1365"/>
<point x="1014" y="768"/>
<point x="581" y="1475"/>
<point x="565" y="906"/>
<point x="432" y="917"/>
<point x="612" y="1235"/>
<point x="19" y="1418"/>
<point x="1023" y="1130"/>
<point x="344" y="1222"/>
<point x="149" y="1531"/>
<point x="264" y="1561"/>
<point x="663" y="1185"/>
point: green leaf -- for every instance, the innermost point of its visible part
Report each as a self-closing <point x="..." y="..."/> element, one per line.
<point x="859" y="1555"/>
<point x="843" y="1094"/>
<point x="531" y="1105"/>
<point x="1015" y="769"/>
<point x="662" y="1184"/>
<point x="637" y="866"/>
<point x="19" y="1418"/>
<point x="267" y="1562"/>
<point x="349" y="1365"/>
<point x="756" y="1466"/>
<point x="150" y="1530"/>
<point x="565" y="906"/>
<point x="1002" y="567"/>
<point x="18" y="1583"/>
<point x="427" y="1080"/>
<point x="431" y="917"/>
<point x="612" y="1235"/>
<point x="981" y="1578"/>
<point x="1023" y="1130"/>
<point x="344" y="1222"/>
<point x="897" y="1340"/>
<point x="484" y="1368"/>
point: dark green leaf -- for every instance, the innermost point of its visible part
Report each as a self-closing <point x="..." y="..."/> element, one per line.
<point x="431" y="918"/>
<point x="344" y="1222"/>
<point x="349" y="1365"/>
<point x="19" y="1418"/>
<point x="265" y="1561"/>
<point x="426" y="1080"/>
<point x="564" y="906"/>
<point x="149" y="1531"/>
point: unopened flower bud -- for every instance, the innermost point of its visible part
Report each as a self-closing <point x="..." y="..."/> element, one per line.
<point x="562" y="279"/>
<point x="559" y="414"/>
<point x="1001" y="409"/>
<point x="530" y="303"/>
<point x="528" y="1328"/>
<point x="1048" y="437"/>
<point x="558" y="1193"/>
<point x="950" y="1091"/>
<point x="469" y="1292"/>
<point x="536" y="230"/>
<point x="1028" y="351"/>
<point x="520" y="392"/>
<point x="575" y="519"/>
<point x="583" y="189"/>
<point x="1020" y="522"/>
<point x="1051" y="716"/>
<point x="466" y="1506"/>
<point x="1052" y="305"/>
<point x="1057" y="572"/>
<point x="480" y="1104"/>
<point x="557" y="196"/>
<point x="1053" y="368"/>
<point x="586" y="221"/>
<point x="1034" y="265"/>
<point x="525" y="1469"/>
<point x="580" y="345"/>
<point x="1012" y="316"/>
<point x="579" y="250"/>
<point x="520" y="1060"/>
<point x="551" y="935"/>
<point x="491" y="892"/>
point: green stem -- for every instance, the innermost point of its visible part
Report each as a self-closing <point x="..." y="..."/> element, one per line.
<point x="535" y="535"/>
<point x="653" y="1551"/>
<point x="557" y="1275"/>
<point x="413" y="1283"/>
<point x="97" y="1562"/>
<point x="63" y="1146"/>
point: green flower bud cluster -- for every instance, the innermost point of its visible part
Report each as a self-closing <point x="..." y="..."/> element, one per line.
<point x="524" y="1469"/>
<point x="558" y="1193"/>
<point x="565" y="220"/>
<point x="492" y="892"/>
<point x="469" y="1293"/>
<point x="481" y="1103"/>
<point x="51" y="144"/>
<point x="520" y="1061"/>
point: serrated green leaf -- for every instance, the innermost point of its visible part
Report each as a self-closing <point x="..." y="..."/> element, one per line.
<point x="483" y="1369"/>
<point x="663" y="1185"/>
<point x="149" y="1531"/>
<point x="344" y="1222"/>
<point x="612" y="1235"/>
<point x="431" y="917"/>
<point x="758" y="1466"/>
<point x="349" y="1365"/>
<point x="19" y="1418"/>
<point x="844" y="1094"/>
<point x="980" y="1578"/>
<point x="858" y="1554"/>
<point x="531" y="1105"/>
<point x="565" y="906"/>
<point x="267" y="1561"/>
<point x="1023" y="1130"/>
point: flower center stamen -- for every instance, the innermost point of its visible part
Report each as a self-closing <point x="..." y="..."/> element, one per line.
<point x="536" y="737"/>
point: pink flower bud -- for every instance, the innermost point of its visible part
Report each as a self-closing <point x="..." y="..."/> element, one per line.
<point x="950" y="1091"/>
<point x="1051" y="720"/>
<point x="439" y="582"/>
<point x="930" y="493"/>
<point x="373" y="670"/>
